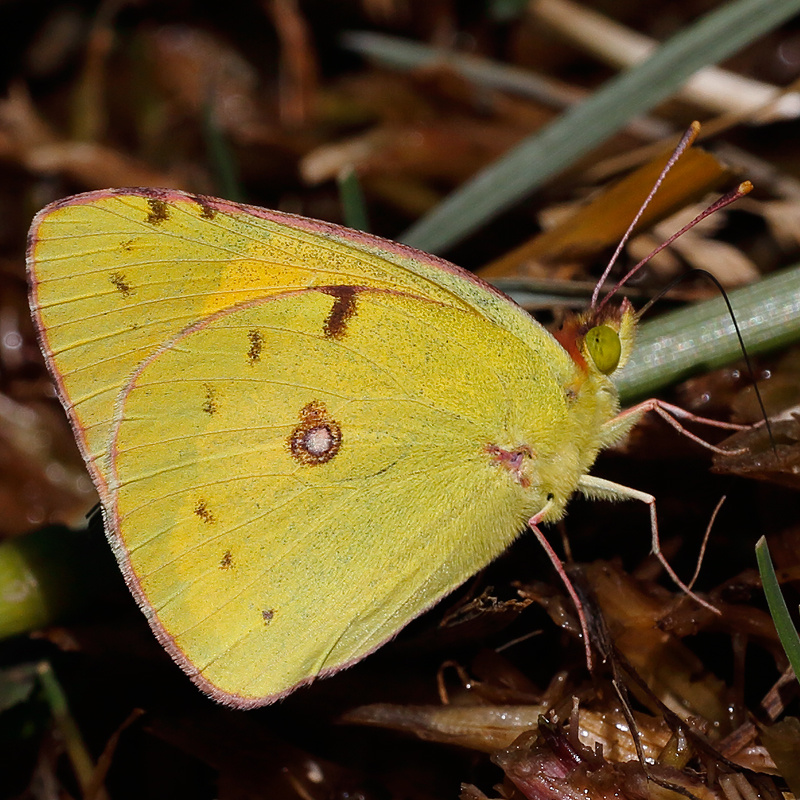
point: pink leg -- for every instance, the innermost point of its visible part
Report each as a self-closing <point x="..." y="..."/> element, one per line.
<point x="672" y="413"/>
<point x="593" y="487"/>
<point x="656" y="548"/>
<point x="534" y="522"/>
<point x="706" y="537"/>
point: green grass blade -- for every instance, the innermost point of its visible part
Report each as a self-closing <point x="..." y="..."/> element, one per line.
<point x="777" y="606"/>
<point x="702" y="336"/>
<point x="405" y="54"/>
<point x="221" y="159"/>
<point x="634" y="92"/>
<point x="354" y="206"/>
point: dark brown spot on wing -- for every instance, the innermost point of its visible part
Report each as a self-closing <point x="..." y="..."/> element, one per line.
<point x="202" y="510"/>
<point x="159" y="210"/>
<point x="119" y="282"/>
<point x="207" y="211"/>
<point x="344" y="307"/>
<point x="268" y="615"/>
<point x="256" y="343"/>
<point x="226" y="562"/>
<point x="210" y="405"/>
<point x="317" y="438"/>
<point x="127" y="246"/>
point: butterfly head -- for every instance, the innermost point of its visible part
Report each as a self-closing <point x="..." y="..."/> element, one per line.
<point x="600" y="340"/>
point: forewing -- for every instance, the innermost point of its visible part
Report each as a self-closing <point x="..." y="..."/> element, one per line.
<point x="116" y="274"/>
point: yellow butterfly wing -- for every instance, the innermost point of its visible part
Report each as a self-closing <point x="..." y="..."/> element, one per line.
<point x="302" y="436"/>
<point x="269" y="556"/>
<point x="115" y="273"/>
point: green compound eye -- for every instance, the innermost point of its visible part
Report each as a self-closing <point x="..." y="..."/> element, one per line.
<point x="603" y="345"/>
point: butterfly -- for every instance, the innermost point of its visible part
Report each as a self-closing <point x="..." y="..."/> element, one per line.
<point x="304" y="436"/>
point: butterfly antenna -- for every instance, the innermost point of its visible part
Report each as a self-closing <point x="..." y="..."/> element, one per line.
<point x="740" y="191"/>
<point x="683" y="144"/>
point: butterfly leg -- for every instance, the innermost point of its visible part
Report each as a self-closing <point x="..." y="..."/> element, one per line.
<point x="672" y="414"/>
<point x="599" y="488"/>
<point x="534" y="523"/>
